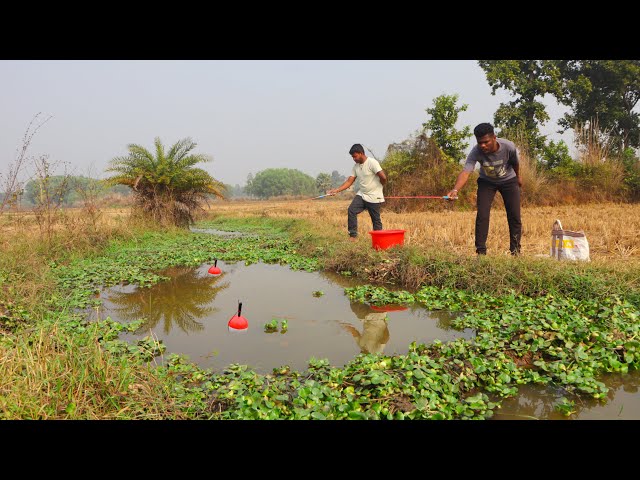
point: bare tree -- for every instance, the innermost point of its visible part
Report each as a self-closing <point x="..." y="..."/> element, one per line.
<point x="51" y="194"/>
<point x="10" y="184"/>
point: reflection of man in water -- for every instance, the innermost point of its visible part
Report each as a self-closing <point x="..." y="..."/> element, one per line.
<point x="375" y="333"/>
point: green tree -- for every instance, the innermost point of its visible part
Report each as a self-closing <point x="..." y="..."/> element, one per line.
<point x="337" y="179"/>
<point x="526" y="80"/>
<point x="556" y="155"/>
<point x="166" y="186"/>
<point x="249" y="186"/>
<point x="323" y="182"/>
<point x="602" y="91"/>
<point x="631" y="164"/>
<point x="235" y="190"/>
<point x="57" y="188"/>
<point x="274" y="182"/>
<point x="442" y="127"/>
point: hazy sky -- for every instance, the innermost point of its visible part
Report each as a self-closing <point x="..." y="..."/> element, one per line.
<point x="248" y="115"/>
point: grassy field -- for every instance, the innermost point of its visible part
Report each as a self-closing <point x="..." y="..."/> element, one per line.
<point x="613" y="230"/>
<point x="54" y="367"/>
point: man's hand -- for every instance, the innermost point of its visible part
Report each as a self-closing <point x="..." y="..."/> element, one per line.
<point x="453" y="194"/>
<point x="332" y="192"/>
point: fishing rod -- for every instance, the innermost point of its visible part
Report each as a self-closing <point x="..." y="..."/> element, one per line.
<point x="444" y="197"/>
<point x="322" y="196"/>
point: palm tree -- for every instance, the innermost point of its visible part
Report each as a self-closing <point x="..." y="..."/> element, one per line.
<point x="166" y="187"/>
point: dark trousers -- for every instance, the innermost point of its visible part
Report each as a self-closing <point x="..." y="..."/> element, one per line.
<point x="358" y="205"/>
<point x="510" y="191"/>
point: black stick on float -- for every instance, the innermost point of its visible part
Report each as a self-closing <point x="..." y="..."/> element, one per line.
<point x="214" y="270"/>
<point x="238" y="322"/>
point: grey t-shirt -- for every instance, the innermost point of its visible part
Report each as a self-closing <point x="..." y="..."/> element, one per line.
<point x="496" y="167"/>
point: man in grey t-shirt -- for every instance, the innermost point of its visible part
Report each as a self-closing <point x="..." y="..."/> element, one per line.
<point x="499" y="172"/>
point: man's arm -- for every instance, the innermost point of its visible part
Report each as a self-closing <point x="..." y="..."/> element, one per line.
<point x="347" y="183"/>
<point x="514" y="160"/>
<point x="382" y="176"/>
<point x="516" y="168"/>
<point x="460" y="181"/>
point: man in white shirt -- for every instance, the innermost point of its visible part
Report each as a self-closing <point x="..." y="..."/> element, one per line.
<point x="369" y="197"/>
<point x="375" y="331"/>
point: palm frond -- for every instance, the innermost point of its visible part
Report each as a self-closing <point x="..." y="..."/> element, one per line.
<point x="192" y="160"/>
<point x="160" y="158"/>
<point x="166" y="186"/>
<point x="181" y="148"/>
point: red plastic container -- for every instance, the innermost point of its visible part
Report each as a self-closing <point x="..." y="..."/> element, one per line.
<point x="383" y="239"/>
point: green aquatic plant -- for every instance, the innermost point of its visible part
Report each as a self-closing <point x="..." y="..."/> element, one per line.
<point x="271" y="326"/>
<point x="566" y="407"/>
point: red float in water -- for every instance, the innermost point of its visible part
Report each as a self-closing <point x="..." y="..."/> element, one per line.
<point x="238" y="322"/>
<point x="214" y="270"/>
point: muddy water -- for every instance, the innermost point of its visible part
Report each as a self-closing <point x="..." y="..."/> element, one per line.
<point x="191" y="311"/>
<point x="535" y="402"/>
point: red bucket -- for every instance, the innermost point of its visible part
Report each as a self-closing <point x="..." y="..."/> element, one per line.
<point x="383" y="239"/>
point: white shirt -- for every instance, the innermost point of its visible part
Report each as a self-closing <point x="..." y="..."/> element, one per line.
<point x="369" y="186"/>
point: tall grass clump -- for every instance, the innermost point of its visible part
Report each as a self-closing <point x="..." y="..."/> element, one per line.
<point x="600" y="176"/>
<point x="536" y="186"/>
<point x="54" y="374"/>
<point x="414" y="168"/>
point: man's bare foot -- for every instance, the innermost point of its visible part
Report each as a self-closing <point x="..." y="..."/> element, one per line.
<point x="353" y="239"/>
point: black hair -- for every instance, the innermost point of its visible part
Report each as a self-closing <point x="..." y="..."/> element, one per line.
<point x="483" y="129"/>
<point x="356" y="148"/>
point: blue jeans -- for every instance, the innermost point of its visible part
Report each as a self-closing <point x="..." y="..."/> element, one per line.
<point x="358" y="205"/>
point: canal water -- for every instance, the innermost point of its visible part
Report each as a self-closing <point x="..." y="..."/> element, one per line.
<point x="312" y="318"/>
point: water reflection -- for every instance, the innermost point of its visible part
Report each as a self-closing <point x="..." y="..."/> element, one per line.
<point x="443" y="319"/>
<point x="178" y="302"/>
<point x="535" y="402"/>
<point x="374" y="332"/>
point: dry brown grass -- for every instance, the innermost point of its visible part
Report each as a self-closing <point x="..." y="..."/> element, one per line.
<point x="50" y="375"/>
<point x="612" y="229"/>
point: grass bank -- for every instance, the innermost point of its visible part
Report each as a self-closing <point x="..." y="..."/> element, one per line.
<point x="538" y="321"/>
